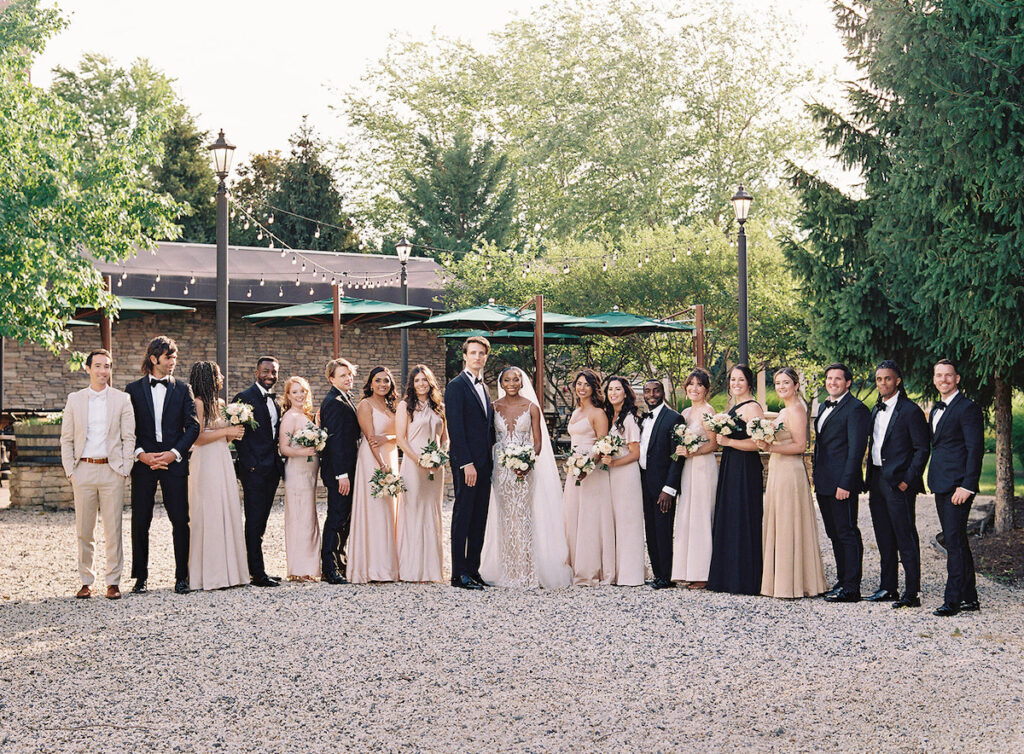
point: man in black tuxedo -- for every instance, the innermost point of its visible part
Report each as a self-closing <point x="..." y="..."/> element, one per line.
<point x="338" y="467"/>
<point x="897" y="454"/>
<point x="259" y="465"/>
<point x="958" y="444"/>
<point x="841" y="436"/>
<point x="659" y="480"/>
<point x="471" y="429"/>
<point x="165" y="429"/>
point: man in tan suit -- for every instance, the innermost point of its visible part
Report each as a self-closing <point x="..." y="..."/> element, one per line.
<point x="97" y="443"/>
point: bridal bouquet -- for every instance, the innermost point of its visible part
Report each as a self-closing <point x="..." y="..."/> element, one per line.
<point x="386" y="483"/>
<point x="517" y="458"/>
<point x="310" y="436"/>
<point x="578" y="464"/>
<point x="432" y="458"/>
<point x="720" y="424"/>
<point x="687" y="438"/>
<point x="239" y="413"/>
<point x="609" y="445"/>
<point x="763" y="429"/>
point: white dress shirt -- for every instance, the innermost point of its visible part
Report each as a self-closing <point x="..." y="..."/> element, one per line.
<point x="645" y="441"/>
<point x="271" y="407"/>
<point x="882" y="419"/>
<point x="479" y="387"/>
<point x="96" y="429"/>
<point x="940" y="411"/>
<point x="828" y="411"/>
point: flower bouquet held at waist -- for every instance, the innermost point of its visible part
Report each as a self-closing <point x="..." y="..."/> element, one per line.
<point x="763" y="429"/>
<point x="239" y="414"/>
<point x="310" y="436"/>
<point x="579" y="464"/>
<point x="432" y="458"/>
<point x="609" y="445"/>
<point x="519" y="459"/>
<point x="386" y="483"/>
<point x="720" y="424"/>
<point x="687" y="438"/>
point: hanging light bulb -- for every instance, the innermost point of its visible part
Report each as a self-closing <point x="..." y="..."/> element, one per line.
<point x="707" y="249"/>
<point x="270" y="219"/>
<point x="674" y="258"/>
<point x="488" y="265"/>
<point x="158" y="277"/>
<point x="647" y="258"/>
<point x="284" y="253"/>
<point x="323" y="277"/>
<point x="261" y="282"/>
<point x="119" y="282"/>
<point x="295" y="259"/>
<point x="565" y="269"/>
<point x="334" y="281"/>
<point x="184" y="291"/>
<point x="192" y="280"/>
<point x="485" y="277"/>
<point x="245" y="225"/>
<point x="259" y="236"/>
<point x="604" y="266"/>
<point x="248" y="293"/>
<point x="689" y="252"/>
<point x="152" y="287"/>
<point x="124" y="275"/>
<point x="310" y="290"/>
<point x="280" y="291"/>
<point x="527" y="267"/>
<point x="639" y="264"/>
<point x="316" y="233"/>
<point x="303" y="266"/>
<point x="297" y="281"/>
<point x="250" y="209"/>
<point x="271" y="244"/>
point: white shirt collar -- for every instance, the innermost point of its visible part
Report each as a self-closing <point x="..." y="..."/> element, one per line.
<point x="262" y="389"/>
<point x="472" y="376"/>
<point x="840" y="398"/>
<point x="100" y="394"/>
<point x="890" y="402"/>
<point x="949" y="400"/>
<point x="654" y="413"/>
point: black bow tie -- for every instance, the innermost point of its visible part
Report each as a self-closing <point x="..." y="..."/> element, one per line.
<point x="154" y="382"/>
<point x="940" y="404"/>
<point x="477" y="380"/>
<point x="830" y="404"/>
<point x="881" y="406"/>
<point x="271" y="395"/>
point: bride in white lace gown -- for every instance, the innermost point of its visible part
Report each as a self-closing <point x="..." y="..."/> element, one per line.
<point x="524" y="544"/>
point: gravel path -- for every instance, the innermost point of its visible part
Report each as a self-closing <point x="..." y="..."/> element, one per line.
<point x="426" y="667"/>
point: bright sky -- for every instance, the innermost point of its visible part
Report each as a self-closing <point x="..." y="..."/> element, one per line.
<point x="255" y="67"/>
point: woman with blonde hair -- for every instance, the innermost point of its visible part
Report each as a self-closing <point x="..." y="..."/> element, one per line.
<point x="301" y="527"/>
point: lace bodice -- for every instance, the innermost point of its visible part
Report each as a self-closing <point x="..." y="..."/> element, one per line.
<point x="521" y="432"/>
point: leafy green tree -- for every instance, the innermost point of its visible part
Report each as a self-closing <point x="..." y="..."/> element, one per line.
<point x="186" y="173"/>
<point x="55" y="206"/>
<point x="463" y="196"/>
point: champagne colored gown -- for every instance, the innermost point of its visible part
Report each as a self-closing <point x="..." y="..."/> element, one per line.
<point x="589" y="520"/>
<point x="420" y="551"/>
<point x="792" y="558"/>
<point x="301" y="526"/>
<point x="372" y="548"/>
<point x="627" y="511"/>
<point x="695" y="512"/>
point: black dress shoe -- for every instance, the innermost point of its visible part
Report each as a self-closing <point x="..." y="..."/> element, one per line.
<point x="181" y="586"/>
<point x="478" y="579"/>
<point x="140" y="587"/>
<point x="883" y="595"/>
<point x="833" y="591"/>
<point x="465" y="582"/>
<point x="275" y="578"/>
<point x="662" y="584"/>
<point x="970" y="607"/>
<point x="907" y="600"/>
<point x="263" y="580"/>
<point x="843" y="596"/>
<point x="947" y="610"/>
<point x="334" y="578"/>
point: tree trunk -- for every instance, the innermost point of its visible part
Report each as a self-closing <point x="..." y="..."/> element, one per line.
<point x="1004" y="456"/>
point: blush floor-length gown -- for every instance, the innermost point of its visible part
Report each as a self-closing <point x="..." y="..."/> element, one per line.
<point x="372" y="547"/>
<point x="420" y="552"/>
<point x="589" y="520"/>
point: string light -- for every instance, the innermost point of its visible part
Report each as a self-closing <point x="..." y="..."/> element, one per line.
<point x="280" y="291"/>
<point x="184" y="291"/>
<point x="120" y="281"/>
<point x="192" y="279"/>
<point x="565" y="269"/>
<point x="248" y="293"/>
<point x="259" y="236"/>
<point x="158" y="277"/>
<point x="284" y="253"/>
<point x="261" y="281"/>
<point x="674" y="256"/>
<point x="310" y="290"/>
<point x="270" y="219"/>
<point x="152" y="287"/>
<point x="295" y="259"/>
<point x="316" y="233"/>
<point x="124" y="275"/>
<point x="605" y="266"/>
<point x="297" y="281"/>
<point x="245" y="226"/>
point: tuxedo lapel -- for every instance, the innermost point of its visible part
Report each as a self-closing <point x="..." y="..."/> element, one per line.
<point x="476" y="396"/>
<point x="147" y="394"/>
<point x="892" y="420"/>
<point x="945" y="415"/>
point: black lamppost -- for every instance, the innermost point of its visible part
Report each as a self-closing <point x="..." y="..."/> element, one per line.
<point x="404" y="250"/>
<point x="222" y="151"/>
<point x="741" y="205"/>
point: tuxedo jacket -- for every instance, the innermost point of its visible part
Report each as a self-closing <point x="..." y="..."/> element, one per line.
<point x="905" y="447"/>
<point x="179" y="424"/>
<point x="839" y="447"/>
<point x="661" y="470"/>
<point x="257" y="450"/>
<point x="958" y="444"/>
<point x="338" y="418"/>
<point x="120" y="440"/>
<point x="470" y="424"/>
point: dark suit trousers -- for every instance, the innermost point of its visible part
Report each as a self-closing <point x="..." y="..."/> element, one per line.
<point x="894" y="519"/>
<point x="336" y="525"/>
<point x="258" y="490"/>
<point x="840" y="520"/>
<point x="658" y="527"/>
<point x="960" y="581"/>
<point x="469" y="521"/>
<point x="175" y="493"/>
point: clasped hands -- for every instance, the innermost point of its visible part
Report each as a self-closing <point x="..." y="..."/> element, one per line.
<point x="158" y="461"/>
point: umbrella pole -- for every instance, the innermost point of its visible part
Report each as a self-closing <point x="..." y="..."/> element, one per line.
<point x="105" y="335"/>
<point x="698" y="335"/>
<point x="538" y="349"/>
<point x="336" y="317"/>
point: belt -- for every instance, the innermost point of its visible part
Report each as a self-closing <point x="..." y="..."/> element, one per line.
<point x="93" y="460"/>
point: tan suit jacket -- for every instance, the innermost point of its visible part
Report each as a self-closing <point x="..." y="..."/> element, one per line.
<point x="120" y="430"/>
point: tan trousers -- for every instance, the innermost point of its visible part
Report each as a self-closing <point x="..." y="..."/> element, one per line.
<point x="98" y="488"/>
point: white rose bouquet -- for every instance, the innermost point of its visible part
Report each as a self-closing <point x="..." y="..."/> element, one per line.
<point x="386" y="483"/>
<point x="720" y="424"/>
<point x="239" y="414"/>
<point x="609" y="445"/>
<point x="432" y="458"/>
<point x="578" y="464"/>
<point x="310" y="436"/>
<point x="763" y="429"/>
<point x="687" y="438"/>
<point x="519" y="459"/>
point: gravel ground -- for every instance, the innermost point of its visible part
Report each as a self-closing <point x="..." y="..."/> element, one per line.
<point x="314" y="667"/>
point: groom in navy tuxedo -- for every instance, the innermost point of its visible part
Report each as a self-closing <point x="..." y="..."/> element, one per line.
<point x="471" y="429"/>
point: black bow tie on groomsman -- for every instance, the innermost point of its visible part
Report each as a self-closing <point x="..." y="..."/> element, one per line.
<point x="154" y="382"/>
<point x="881" y="405"/>
<point x="830" y="404"/>
<point x="477" y="380"/>
<point x="939" y="405"/>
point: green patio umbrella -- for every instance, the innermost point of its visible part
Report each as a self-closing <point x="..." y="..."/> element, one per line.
<point x="131" y="308"/>
<point x="522" y="338"/>
<point x="81" y="323"/>
<point x="351" y="311"/>
<point x="494" y="317"/>
<point x="615" y="323"/>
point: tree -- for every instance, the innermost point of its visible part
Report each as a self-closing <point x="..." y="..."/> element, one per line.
<point x="185" y="173"/>
<point x="56" y="207"/>
<point x="463" y="196"/>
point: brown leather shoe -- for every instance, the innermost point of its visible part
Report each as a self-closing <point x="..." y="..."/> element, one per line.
<point x="697" y="585"/>
<point x="84" y="593"/>
<point x="113" y="592"/>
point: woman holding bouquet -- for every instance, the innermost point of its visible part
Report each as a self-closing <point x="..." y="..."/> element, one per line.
<point x="587" y="498"/>
<point x="624" y="482"/>
<point x="695" y="509"/>
<point x="301" y="527"/>
<point x="420" y="423"/>
<point x="736" y="533"/>
<point x="792" y="559"/>
<point x="372" y="550"/>
<point x="216" y="542"/>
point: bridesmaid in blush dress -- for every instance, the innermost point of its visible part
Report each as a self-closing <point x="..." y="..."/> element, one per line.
<point x="420" y="419"/>
<point x="372" y="549"/>
<point x="216" y="542"/>
<point x="624" y="483"/>
<point x="792" y="558"/>
<point x="739" y="503"/>
<point x="589" y="521"/>
<point x="695" y="509"/>
<point x="301" y="527"/>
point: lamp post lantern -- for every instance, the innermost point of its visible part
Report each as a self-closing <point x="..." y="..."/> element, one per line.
<point x="222" y="151"/>
<point x="404" y="250"/>
<point x="741" y="206"/>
